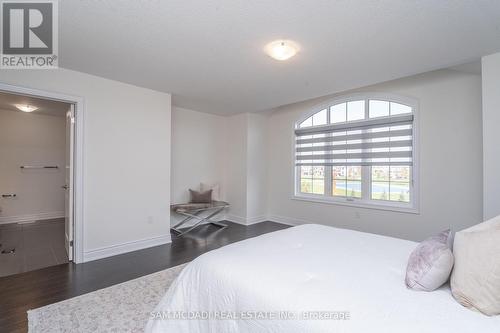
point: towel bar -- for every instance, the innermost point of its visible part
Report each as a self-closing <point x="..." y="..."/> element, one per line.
<point x="39" y="167"/>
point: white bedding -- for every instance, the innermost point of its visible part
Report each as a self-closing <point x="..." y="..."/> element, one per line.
<point x="310" y="268"/>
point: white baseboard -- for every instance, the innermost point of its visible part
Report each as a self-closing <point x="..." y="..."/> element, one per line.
<point x="245" y="220"/>
<point x="287" y="220"/>
<point x="114" y="250"/>
<point x="31" y="217"/>
<point x="256" y="219"/>
<point x="235" y="219"/>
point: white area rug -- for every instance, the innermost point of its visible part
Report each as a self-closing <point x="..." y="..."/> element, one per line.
<point x="120" y="308"/>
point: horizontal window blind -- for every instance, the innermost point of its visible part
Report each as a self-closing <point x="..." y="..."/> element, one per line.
<point x="380" y="141"/>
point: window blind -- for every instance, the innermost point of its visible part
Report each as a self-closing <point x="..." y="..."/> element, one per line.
<point x="380" y="141"/>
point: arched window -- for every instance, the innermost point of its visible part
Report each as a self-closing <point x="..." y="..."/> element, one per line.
<point x="359" y="150"/>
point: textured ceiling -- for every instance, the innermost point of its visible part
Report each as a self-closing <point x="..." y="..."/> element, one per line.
<point x="209" y="54"/>
<point x="46" y="107"/>
<point x="469" y="68"/>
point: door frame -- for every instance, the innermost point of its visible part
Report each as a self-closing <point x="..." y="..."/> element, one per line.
<point x="78" y="161"/>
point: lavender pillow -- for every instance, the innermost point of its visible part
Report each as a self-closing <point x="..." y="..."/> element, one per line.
<point x="430" y="264"/>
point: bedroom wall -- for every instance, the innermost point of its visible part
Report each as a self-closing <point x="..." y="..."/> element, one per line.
<point x="127" y="158"/>
<point x="229" y="150"/>
<point x="450" y="156"/>
<point x="199" y="149"/>
<point x="236" y="168"/>
<point x="31" y="139"/>
<point x="491" y="135"/>
<point x="246" y="176"/>
<point x="257" y="138"/>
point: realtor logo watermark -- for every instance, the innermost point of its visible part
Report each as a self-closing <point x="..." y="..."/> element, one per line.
<point x="29" y="34"/>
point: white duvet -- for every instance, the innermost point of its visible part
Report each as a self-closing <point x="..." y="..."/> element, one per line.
<point x="346" y="280"/>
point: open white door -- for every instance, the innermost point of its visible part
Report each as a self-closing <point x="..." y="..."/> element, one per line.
<point x="68" y="198"/>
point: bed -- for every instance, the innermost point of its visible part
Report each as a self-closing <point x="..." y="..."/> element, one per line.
<point x="309" y="278"/>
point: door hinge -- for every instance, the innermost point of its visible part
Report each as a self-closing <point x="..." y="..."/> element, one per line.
<point x="71" y="243"/>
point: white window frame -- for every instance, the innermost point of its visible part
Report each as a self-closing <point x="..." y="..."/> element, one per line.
<point x="412" y="207"/>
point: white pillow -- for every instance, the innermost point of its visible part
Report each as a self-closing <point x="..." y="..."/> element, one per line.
<point x="215" y="187"/>
<point x="475" y="280"/>
<point x="491" y="223"/>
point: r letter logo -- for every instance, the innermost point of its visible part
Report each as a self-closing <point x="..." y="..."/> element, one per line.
<point x="29" y="34"/>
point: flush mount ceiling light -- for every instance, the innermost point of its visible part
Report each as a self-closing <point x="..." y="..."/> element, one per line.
<point x="26" y="107"/>
<point x="282" y="49"/>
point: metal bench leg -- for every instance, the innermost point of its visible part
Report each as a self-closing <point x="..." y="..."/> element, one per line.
<point x="188" y="218"/>
<point x="201" y="220"/>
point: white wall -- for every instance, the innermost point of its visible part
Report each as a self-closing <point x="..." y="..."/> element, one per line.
<point x="246" y="176"/>
<point x="236" y="169"/>
<point x="257" y="138"/>
<point x="491" y="134"/>
<point x="198" y="151"/>
<point x="127" y="158"/>
<point x="228" y="150"/>
<point x="450" y="161"/>
<point x="199" y="143"/>
<point x="31" y="139"/>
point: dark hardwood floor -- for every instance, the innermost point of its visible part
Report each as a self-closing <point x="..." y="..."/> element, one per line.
<point x="21" y="292"/>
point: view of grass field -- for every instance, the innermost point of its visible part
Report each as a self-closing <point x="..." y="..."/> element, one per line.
<point x="388" y="183"/>
<point x="391" y="183"/>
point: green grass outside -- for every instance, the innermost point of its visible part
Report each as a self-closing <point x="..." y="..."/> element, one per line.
<point x="317" y="186"/>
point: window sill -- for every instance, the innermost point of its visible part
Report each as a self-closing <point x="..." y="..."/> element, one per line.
<point x="332" y="201"/>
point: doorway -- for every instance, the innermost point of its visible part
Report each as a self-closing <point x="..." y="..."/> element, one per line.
<point x="37" y="180"/>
